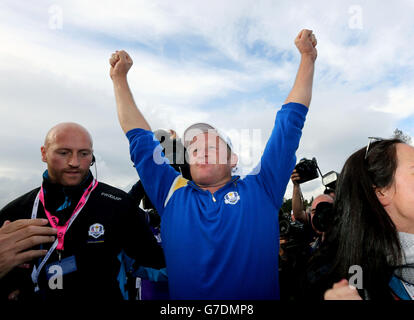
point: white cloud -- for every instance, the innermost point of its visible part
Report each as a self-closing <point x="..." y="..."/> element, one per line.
<point x="399" y="102"/>
<point x="225" y="55"/>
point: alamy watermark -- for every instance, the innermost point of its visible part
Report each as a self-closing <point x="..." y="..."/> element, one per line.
<point x="56" y="277"/>
<point x="211" y="148"/>
<point x="55" y="17"/>
<point x="356" y="279"/>
<point x="356" y="17"/>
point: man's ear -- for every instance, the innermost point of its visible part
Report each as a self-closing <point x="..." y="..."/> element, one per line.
<point x="384" y="195"/>
<point x="43" y="151"/>
<point x="233" y="160"/>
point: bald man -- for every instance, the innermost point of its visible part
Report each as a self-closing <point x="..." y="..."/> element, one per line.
<point x="94" y="221"/>
<point x="67" y="166"/>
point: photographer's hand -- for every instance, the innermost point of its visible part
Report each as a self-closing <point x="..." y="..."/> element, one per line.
<point x="18" y="236"/>
<point x="297" y="203"/>
<point x="295" y="178"/>
<point x="128" y="114"/>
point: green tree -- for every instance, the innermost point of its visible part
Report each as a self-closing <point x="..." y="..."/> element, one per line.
<point x="287" y="205"/>
<point x="399" y="134"/>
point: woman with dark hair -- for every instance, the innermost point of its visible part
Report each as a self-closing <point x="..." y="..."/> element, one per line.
<point x="373" y="226"/>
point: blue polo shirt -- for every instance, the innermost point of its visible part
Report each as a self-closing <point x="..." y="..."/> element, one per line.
<point x="225" y="245"/>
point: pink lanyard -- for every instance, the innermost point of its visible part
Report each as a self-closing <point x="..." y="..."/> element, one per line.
<point x="54" y="221"/>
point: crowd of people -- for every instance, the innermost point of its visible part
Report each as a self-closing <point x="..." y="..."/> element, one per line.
<point x="190" y="229"/>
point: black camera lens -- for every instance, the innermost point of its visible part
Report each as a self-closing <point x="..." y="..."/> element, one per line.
<point x="322" y="219"/>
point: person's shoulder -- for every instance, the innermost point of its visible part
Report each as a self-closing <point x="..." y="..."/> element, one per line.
<point x="113" y="199"/>
<point x="23" y="201"/>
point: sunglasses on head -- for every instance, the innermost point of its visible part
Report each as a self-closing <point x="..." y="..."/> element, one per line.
<point x="371" y="140"/>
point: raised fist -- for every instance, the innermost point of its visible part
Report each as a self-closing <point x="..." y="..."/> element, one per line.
<point x="120" y="62"/>
<point x="306" y="43"/>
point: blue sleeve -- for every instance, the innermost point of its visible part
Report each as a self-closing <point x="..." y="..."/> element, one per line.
<point x="279" y="157"/>
<point x="153" y="168"/>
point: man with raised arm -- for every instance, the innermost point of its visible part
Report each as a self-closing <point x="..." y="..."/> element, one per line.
<point x="220" y="232"/>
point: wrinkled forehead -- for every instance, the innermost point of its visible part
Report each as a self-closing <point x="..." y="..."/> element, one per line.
<point x="206" y="138"/>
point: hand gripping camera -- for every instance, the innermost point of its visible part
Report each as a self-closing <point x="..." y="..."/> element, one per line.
<point x="307" y="170"/>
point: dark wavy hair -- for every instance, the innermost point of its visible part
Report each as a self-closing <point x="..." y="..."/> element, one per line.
<point x="363" y="233"/>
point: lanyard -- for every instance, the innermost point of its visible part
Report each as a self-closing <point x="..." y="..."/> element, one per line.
<point x="58" y="244"/>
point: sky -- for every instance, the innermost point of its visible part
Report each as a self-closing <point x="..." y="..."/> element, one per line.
<point x="229" y="63"/>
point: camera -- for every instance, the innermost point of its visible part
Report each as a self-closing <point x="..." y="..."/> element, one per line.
<point x="329" y="179"/>
<point x="292" y="231"/>
<point x="307" y="170"/>
<point x="174" y="151"/>
<point x="294" y="252"/>
<point x="323" y="217"/>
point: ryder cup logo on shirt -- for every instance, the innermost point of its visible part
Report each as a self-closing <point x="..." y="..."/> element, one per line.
<point x="231" y="197"/>
<point x="96" y="230"/>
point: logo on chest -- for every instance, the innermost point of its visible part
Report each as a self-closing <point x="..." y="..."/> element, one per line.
<point x="231" y="197"/>
<point x="96" y="231"/>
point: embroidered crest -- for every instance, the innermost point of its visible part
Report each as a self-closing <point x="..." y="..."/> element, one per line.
<point x="96" y="230"/>
<point x="231" y="197"/>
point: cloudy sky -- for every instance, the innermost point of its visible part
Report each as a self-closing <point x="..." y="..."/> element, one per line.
<point x="230" y="63"/>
